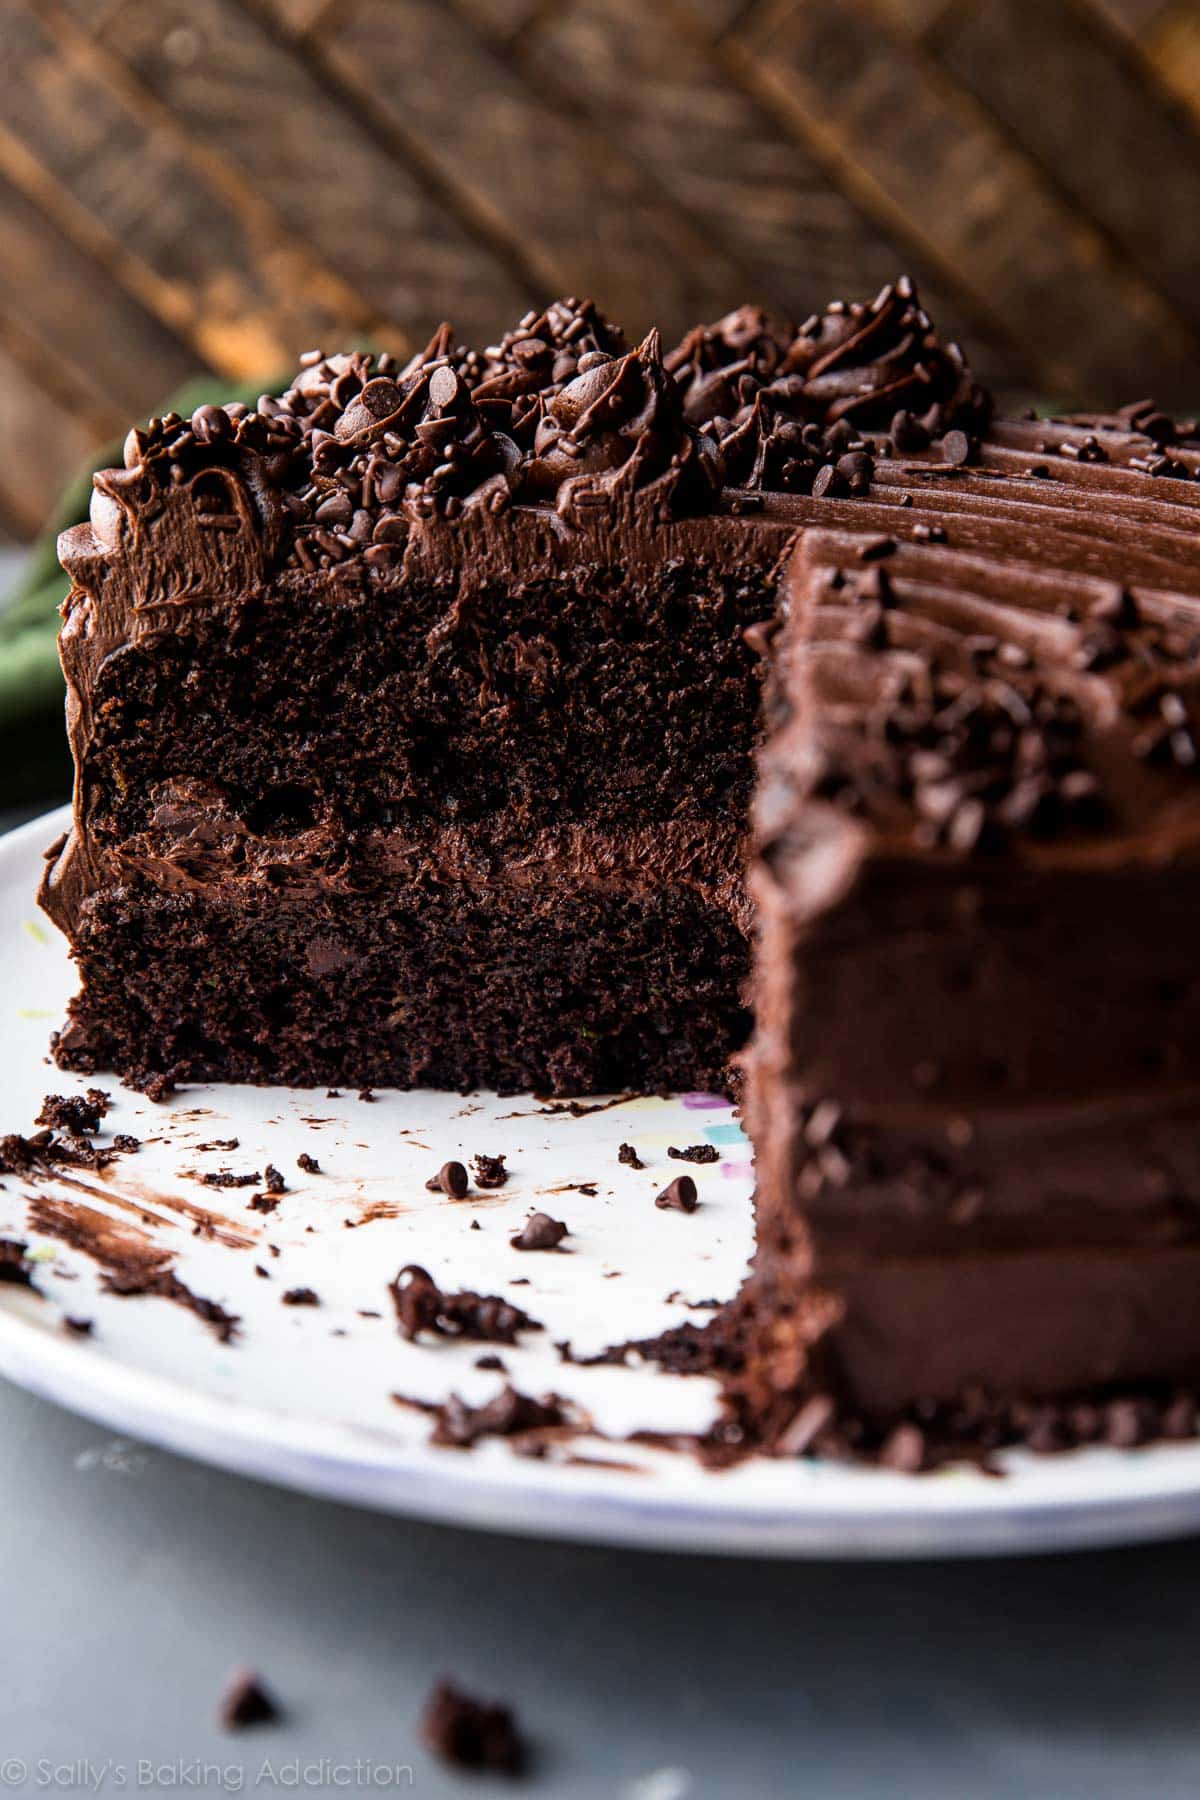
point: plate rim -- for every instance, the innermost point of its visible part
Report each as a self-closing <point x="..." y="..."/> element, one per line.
<point x="346" y="1463"/>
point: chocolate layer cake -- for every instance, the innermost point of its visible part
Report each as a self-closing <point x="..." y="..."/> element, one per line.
<point x="416" y="716"/>
<point x="413" y="711"/>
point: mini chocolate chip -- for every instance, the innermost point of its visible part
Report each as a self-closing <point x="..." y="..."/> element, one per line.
<point x="211" y="424"/>
<point x="958" y="449"/>
<point x="678" y="1195"/>
<point x="828" y="484"/>
<point x="443" y="387"/>
<point x="452" y="1179"/>
<point x="540" y="1232"/>
<point x="857" y="470"/>
<point x="907" y="433"/>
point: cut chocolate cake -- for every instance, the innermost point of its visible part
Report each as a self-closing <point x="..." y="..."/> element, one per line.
<point x="413" y="711"/>
<point x="416" y="716"/>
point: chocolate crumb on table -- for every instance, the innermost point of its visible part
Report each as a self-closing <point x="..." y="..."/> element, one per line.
<point x="696" y="1153"/>
<point x="452" y="1179"/>
<point x="125" y="1142"/>
<point x="78" y="1327"/>
<point x="308" y="1163"/>
<point x="678" y="1196"/>
<point x="540" y="1232"/>
<point x="273" y="1180"/>
<point x="301" y="1296"/>
<point x="262" y="1203"/>
<point x="224" y="1178"/>
<point x="628" y="1155"/>
<point x="472" y="1734"/>
<point x="246" y="1701"/>
<point x="490" y="1171"/>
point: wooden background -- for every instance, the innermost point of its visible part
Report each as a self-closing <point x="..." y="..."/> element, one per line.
<point x="217" y="184"/>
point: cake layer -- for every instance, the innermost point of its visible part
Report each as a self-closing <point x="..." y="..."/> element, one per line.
<point x="976" y="985"/>
<point x="846" y="1186"/>
<point x="600" y="676"/>
<point x="898" y="1339"/>
<point x="572" y="961"/>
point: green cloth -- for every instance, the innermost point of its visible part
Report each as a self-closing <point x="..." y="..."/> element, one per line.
<point x="31" y="685"/>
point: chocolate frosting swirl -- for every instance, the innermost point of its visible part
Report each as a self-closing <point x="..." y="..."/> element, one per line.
<point x="856" y="366"/>
<point x="617" y="427"/>
<point x="538" y="357"/>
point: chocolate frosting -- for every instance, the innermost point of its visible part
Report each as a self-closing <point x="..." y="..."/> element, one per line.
<point x="619" y="426"/>
<point x="849" y="370"/>
<point x="559" y="414"/>
<point x="962" y="704"/>
<point x="537" y="358"/>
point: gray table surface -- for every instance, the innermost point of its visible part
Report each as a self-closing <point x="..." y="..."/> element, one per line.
<point x="133" y="1582"/>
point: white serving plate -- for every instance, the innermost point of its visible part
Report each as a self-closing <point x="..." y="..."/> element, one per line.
<point x="305" y="1395"/>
